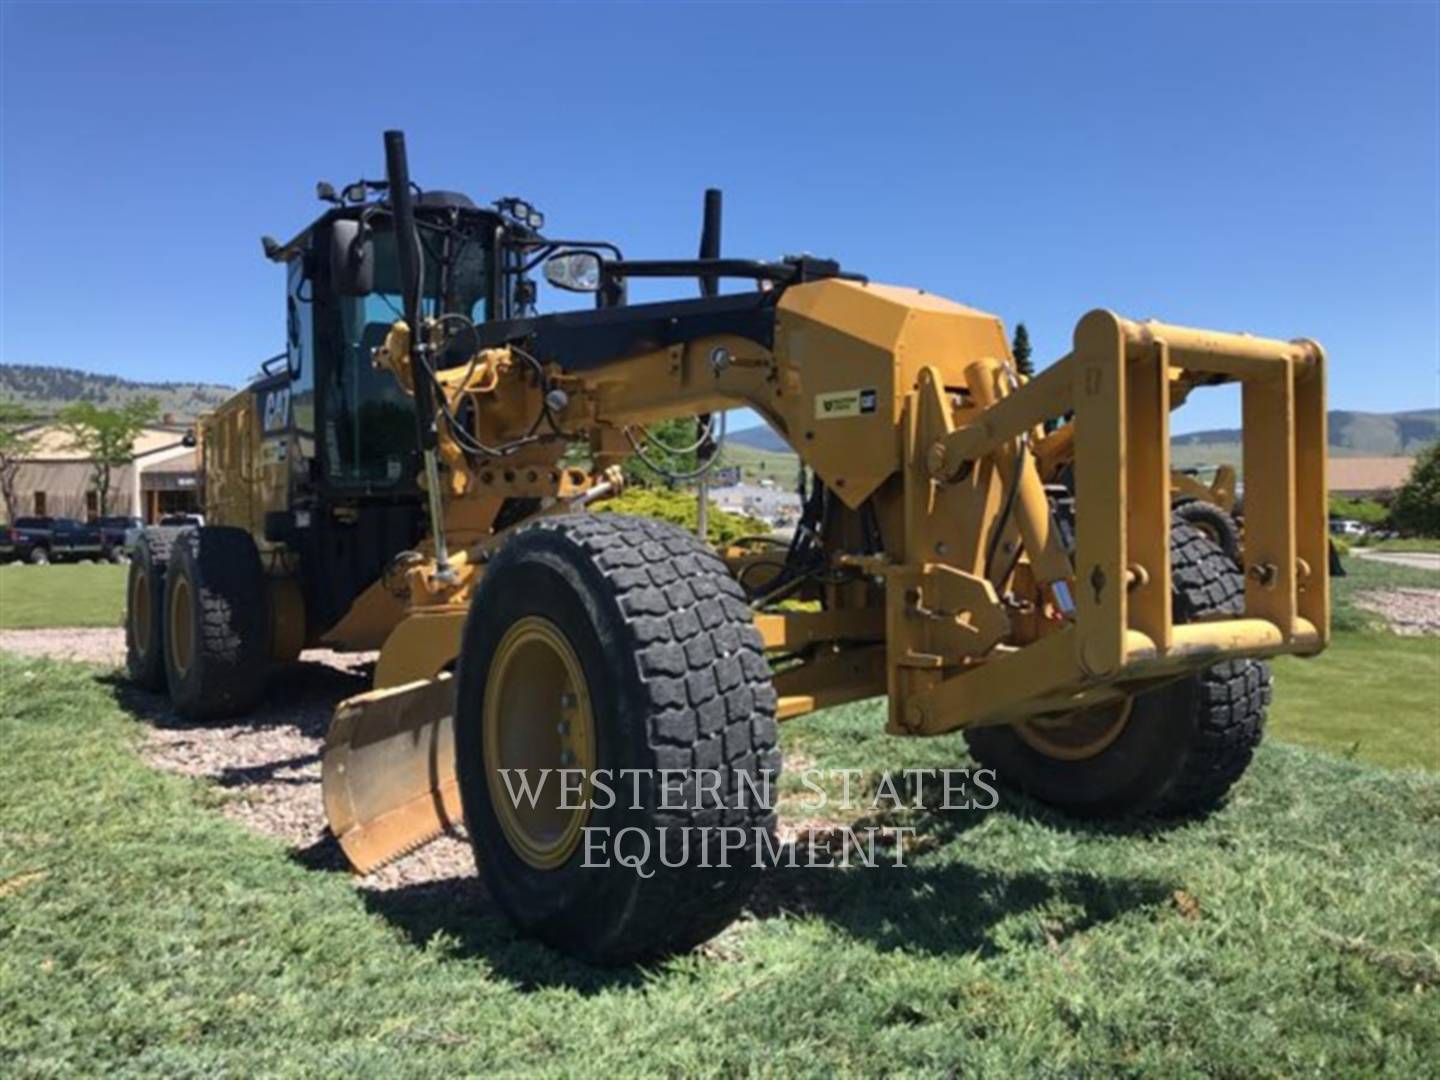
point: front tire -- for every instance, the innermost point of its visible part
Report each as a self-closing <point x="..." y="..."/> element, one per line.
<point x="607" y="643"/>
<point x="1214" y="524"/>
<point x="1178" y="749"/>
<point x="217" y="627"/>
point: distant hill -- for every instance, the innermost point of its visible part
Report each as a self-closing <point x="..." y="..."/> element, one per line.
<point x="1351" y="433"/>
<point x="762" y="437"/>
<point x="1373" y="434"/>
<point x="47" y="390"/>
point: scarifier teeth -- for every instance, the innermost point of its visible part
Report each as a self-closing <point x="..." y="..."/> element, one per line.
<point x="369" y="867"/>
<point x="388" y="772"/>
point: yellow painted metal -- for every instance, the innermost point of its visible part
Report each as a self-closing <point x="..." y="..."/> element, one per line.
<point x="387" y="772"/>
<point x="830" y="679"/>
<point x="1147" y="492"/>
<point x="1080" y="735"/>
<point x="538" y="725"/>
<point x="247" y="472"/>
<point x="1048" y="395"/>
<point x="1268" y="409"/>
<point x="181" y="618"/>
<point x="903" y="405"/>
<point x="1123" y="637"/>
<point x="1102" y="543"/>
<point x="1049" y="564"/>
<point x="787" y="631"/>
<point x="372" y="617"/>
<point x="1220" y="491"/>
<point x="872" y="337"/>
<point x="421" y="645"/>
<point x="1312" y="542"/>
<point x="139" y="609"/>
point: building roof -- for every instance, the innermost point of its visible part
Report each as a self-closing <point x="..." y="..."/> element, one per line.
<point x="53" y="443"/>
<point x="1360" y="474"/>
<point x="187" y="462"/>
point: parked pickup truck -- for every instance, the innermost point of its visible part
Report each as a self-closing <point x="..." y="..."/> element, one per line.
<point x="42" y="540"/>
<point x="116" y="534"/>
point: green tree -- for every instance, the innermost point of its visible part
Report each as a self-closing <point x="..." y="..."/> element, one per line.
<point x="16" y="444"/>
<point x="657" y="442"/>
<point x="107" y="436"/>
<point x="1020" y="349"/>
<point x="1416" y="508"/>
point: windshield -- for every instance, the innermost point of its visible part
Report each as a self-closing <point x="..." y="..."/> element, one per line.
<point x="369" y="419"/>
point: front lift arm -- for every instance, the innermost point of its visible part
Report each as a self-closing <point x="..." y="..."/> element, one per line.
<point x="973" y="611"/>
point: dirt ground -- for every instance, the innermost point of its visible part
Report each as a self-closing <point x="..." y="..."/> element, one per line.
<point x="1408" y="611"/>
<point x="268" y="762"/>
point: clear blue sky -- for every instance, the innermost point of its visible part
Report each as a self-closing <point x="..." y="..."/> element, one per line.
<point x="1271" y="168"/>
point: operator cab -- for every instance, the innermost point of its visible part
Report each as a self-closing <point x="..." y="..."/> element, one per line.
<point x="354" y="426"/>
<point x="340" y="434"/>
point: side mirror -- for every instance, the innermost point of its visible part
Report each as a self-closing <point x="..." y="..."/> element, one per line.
<point x="574" y="271"/>
<point x="352" y="258"/>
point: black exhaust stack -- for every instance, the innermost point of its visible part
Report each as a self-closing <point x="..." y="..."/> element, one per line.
<point x="709" y="286"/>
<point x="407" y="247"/>
<point x="407" y="244"/>
<point x="710" y="240"/>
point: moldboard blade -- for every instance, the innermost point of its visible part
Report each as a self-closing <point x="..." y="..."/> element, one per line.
<point x="388" y="771"/>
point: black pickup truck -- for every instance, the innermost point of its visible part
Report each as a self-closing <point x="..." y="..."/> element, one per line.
<point x="42" y="540"/>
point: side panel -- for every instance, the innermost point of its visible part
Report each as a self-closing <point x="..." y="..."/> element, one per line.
<point x="228" y="441"/>
<point x="854" y="351"/>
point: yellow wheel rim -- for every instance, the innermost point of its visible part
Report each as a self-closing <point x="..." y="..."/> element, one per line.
<point x="140" y="614"/>
<point x="538" y="716"/>
<point x="182" y="626"/>
<point x="1078" y="736"/>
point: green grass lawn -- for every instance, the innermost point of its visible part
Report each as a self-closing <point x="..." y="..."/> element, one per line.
<point x="65" y="594"/>
<point x="1409" y="543"/>
<point x="1293" y="932"/>
<point x="1373" y="696"/>
<point x="756" y="465"/>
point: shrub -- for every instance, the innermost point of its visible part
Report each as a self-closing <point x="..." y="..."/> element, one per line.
<point x="1365" y="511"/>
<point x="678" y="508"/>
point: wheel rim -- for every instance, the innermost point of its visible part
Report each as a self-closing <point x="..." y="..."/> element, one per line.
<point x="181" y="626"/>
<point x="1079" y="736"/>
<point x="140" y="613"/>
<point x="538" y="716"/>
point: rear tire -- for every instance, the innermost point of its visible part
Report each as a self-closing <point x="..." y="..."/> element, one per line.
<point x="39" y="556"/>
<point x="217" y="628"/>
<point x="669" y="674"/>
<point x="1182" y="746"/>
<point x="145" y="610"/>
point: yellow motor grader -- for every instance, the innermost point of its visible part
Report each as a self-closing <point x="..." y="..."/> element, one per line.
<point x="420" y="473"/>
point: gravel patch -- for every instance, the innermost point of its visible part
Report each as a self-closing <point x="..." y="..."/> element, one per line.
<point x="1408" y="611"/>
<point x="89" y="645"/>
<point x="268" y="762"/>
